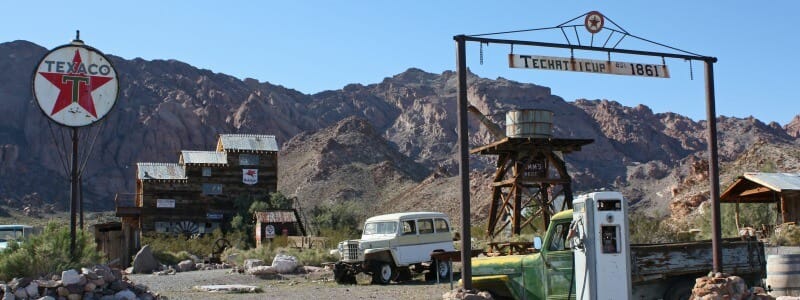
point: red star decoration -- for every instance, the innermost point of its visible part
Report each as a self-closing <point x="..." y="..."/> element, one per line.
<point x="594" y="22"/>
<point x="75" y="86"/>
<point x="251" y="172"/>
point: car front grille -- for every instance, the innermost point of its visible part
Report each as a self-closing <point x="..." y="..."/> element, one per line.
<point x="351" y="251"/>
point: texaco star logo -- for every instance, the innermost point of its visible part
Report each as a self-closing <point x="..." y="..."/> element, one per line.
<point x="75" y="85"/>
<point x="594" y="22"/>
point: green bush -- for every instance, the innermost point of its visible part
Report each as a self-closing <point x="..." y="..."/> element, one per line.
<point x="48" y="253"/>
<point x="788" y="235"/>
<point x="170" y="249"/>
<point x="305" y="257"/>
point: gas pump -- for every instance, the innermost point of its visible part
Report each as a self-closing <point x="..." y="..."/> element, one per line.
<point x="599" y="238"/>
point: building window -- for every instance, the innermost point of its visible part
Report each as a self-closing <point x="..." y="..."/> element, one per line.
<point x="212" y="188"/>
<point x="248" y="159"/>
<point x="206" y="172"/>
<point x="163" y="227"/>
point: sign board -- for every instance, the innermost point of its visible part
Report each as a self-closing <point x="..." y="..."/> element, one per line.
<point x="165" y="203"/>
<point x="214" y="216"/>
<point x="269" y="231"/>
<point x="587" y="65"/>
<point x="75" y="85"/>
<point x="594" y="22"/>
<point x="250" y="176"/>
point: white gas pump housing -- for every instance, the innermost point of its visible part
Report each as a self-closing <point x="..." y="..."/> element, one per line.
<point x="599" y="237"/>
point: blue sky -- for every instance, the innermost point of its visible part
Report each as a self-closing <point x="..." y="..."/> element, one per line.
<point x="314" y="46"/>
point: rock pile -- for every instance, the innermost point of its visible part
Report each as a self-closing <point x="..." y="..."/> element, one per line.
<point x="99" y="282"/>
<point x="723" y="286"/>
<point x="461" y="294"/>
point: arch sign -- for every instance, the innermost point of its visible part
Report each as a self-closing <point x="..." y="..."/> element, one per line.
<point x="75" y="85"/>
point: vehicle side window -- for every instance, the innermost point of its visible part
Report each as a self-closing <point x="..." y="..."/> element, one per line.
<point x="409" y="227"/>
<point x="441" y="225"/>
<point x="558" y="241"/>
<point x="425" y="226"/>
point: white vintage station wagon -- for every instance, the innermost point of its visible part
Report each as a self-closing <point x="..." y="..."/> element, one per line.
<point x="393" y="245"/>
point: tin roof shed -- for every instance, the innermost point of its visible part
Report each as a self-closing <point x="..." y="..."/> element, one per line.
<point x="247" y="143"/>
<point x="780" y="188"/>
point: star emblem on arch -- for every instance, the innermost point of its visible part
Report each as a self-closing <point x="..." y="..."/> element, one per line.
<point x="75" y="86"/>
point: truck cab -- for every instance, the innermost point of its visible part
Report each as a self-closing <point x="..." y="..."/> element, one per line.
<point x="520" y="276"/>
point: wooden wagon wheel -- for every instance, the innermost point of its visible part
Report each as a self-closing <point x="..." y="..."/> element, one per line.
<point x="219" y="246"/>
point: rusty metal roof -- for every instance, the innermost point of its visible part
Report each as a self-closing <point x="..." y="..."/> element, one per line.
<point x="760" y="187"/>
<point x="156" y="171"/>
<point x="203" y="157"/>
<point x="247" y="142"/>
<point x="276" y="216"/>
<point x="776" y="181"/>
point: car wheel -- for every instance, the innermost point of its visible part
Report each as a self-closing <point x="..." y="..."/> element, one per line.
<point x="383" y="272"/>
<point x="342" y="276"/>
<point x="680" y="290"/>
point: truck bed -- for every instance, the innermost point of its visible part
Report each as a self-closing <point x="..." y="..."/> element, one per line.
<point x="659" y="261"/>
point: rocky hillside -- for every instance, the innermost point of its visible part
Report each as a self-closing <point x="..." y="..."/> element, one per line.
<point x="392" y="144"/>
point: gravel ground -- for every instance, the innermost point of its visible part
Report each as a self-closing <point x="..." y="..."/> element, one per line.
<point x="307" y="287"/>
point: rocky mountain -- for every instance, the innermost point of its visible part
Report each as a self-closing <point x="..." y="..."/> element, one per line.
<point x="392" y="144"/>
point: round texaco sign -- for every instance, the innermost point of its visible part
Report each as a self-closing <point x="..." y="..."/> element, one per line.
<point x="75" y="85"/>
<point x="594" y="22"/>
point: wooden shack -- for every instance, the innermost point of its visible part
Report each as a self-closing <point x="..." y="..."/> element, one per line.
<point x="783" y="189"/>
<point x="197" y="194"/>
<point x="279" y="222"/>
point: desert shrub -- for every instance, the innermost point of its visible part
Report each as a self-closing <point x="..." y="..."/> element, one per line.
<point x="171" y="249"/>
<point x="268" y="251"/>
<point x="651" y="230"/>
<point x="339" y="217"/>
<point x="48" y="253"/>
<point x="787" y="236"/>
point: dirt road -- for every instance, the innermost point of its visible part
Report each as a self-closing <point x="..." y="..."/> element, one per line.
<point x="305" y="287"/>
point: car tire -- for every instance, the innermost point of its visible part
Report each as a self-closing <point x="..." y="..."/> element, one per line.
<point x="342" y="276"/>
<point x="679" y="290"/>
<point x="383" y="272"/>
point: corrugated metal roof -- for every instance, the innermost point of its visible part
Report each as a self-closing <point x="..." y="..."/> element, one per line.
<point x="203" y="157"/>
<point x="247" y="142"/>
<point x="775" y="181"/>
<point x="165" y="171"/>
<point x="280" y="216"/>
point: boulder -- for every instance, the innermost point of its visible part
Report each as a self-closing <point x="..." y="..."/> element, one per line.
<point x="284" y="263"/>
<point x="262" y="270"/>
<point x="33" y="290"/>
<point x="125" y="295"/>
<point x="70" y="277"/>
<point x="144" y="262"/>
<point x="185" y="266"/>
<point x="252" y="262"/>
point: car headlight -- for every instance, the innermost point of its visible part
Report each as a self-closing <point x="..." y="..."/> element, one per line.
<point x="341" y="247"/>
<point x="360" y="247"/>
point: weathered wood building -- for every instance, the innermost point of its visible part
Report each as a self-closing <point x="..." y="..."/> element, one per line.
<point x="197" y="194"/>
<point x="278" y="222"/>
<point x="783" y="189"/>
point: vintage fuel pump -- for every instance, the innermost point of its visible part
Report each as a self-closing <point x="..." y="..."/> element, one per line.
<point x="599" y="238"/>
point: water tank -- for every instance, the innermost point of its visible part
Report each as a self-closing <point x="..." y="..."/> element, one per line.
<point x="529" y="123"/>
<point x="783" y="274"/>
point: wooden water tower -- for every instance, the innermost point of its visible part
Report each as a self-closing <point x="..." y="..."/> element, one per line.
<point x="531" y="173"/>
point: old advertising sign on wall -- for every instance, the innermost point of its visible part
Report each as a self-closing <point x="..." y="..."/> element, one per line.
<point x="250" y="176"/>
<point x="75" y="85"/>
<point x="587" y="65"/>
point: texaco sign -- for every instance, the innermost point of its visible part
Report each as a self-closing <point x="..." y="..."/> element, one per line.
<point x="75" y="85"/>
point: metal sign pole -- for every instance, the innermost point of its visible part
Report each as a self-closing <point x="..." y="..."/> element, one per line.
<point x="713" y="167"/>
<point x="73" y="200"/>
<point x="463" y="144"/>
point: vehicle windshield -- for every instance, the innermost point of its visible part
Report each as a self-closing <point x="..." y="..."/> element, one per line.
<point x="380" y="228"/>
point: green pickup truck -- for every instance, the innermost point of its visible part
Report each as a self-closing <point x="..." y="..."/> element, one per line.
<point x="658" y="271"/>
